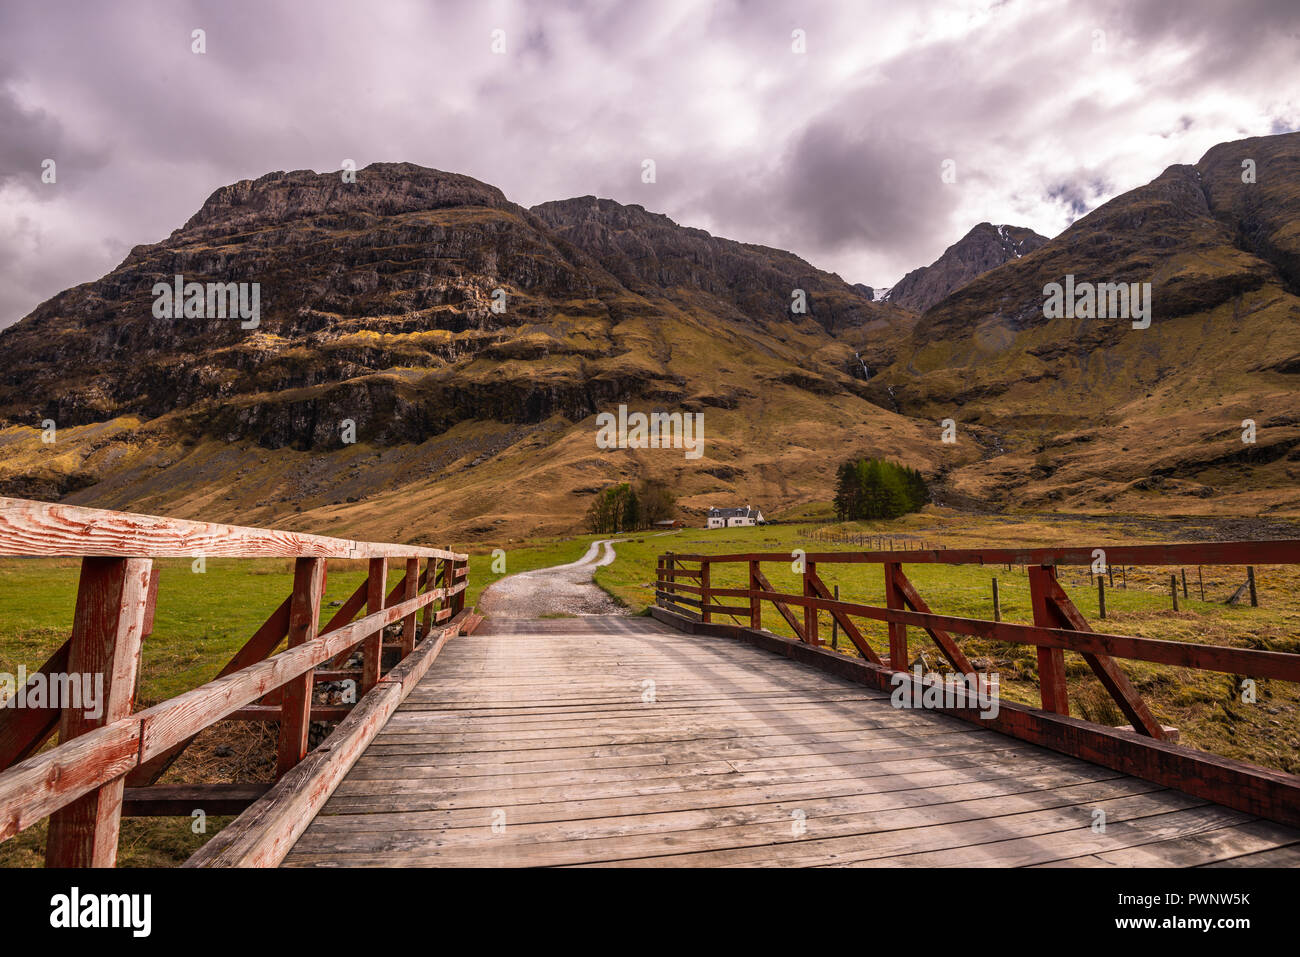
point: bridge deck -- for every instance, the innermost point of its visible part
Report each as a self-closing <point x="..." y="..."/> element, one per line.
<point x="529" y="743"/>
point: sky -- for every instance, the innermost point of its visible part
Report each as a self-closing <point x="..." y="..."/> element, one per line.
<point x="822" y="128"/>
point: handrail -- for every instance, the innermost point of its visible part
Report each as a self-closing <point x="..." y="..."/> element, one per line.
<point x="1058" y="624"/>
<point x="80" y="784"/>
<point x="45" y="529"/>
<point x="688" y="596"/>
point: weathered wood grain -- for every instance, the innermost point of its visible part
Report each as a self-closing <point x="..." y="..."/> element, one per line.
<point x="41" y="528"/>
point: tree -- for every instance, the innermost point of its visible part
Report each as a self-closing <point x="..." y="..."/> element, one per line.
<point x="877" y="488"/>
<point x="616" y="509"/>
<point x="656" y="500"/>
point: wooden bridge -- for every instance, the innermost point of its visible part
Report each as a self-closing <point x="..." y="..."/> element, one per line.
<point x="676" y="740"/>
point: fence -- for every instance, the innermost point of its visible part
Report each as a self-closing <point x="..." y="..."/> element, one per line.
<point x="684" y="588"/>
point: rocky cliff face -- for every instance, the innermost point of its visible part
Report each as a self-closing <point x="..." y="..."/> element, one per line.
<point x="1090" y="408"/>
<point x="983" y="248"/>
<point x="651" y="255"/>
<point x="421" y="310"/>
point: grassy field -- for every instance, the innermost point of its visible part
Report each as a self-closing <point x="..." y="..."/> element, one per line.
<point x="1206" y="707"/>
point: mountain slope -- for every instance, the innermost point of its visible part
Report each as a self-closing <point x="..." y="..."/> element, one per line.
<point x="377" y="315"/>
<point x="1096" y="411"/>
<point x="985" y="247"/>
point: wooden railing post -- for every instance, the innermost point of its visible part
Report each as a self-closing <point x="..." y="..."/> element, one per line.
<point x="1051" y="661"/>
<point x="431" y="572"/>
<point x="109" y="624"/>
<point x="304" y="621"/>
<point x="372" y="650"/>
<point x="705" y="614"/>
<point x="412" y="587"/>
<point x="458" y="600"/>
<point x="810" y="617"/>
<point x="897" y="630"/>
<point x="755" y="606"/>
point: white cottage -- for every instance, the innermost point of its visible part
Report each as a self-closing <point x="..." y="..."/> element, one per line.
<point x="731" y="517"/>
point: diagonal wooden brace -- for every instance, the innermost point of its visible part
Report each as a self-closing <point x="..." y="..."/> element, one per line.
<point x="941" y="638"/>
<point x="1103" y="666"/>
<point x="782" y="607"/>
<point x="855" y="635"/>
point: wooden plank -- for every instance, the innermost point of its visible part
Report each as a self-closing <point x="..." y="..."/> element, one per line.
<point x="41" y="528"/>
<point x="781" y="606"/>
<point x="408" y="623"/>
<point x="1273" y="552"/>
<point x="264" y="834"/>
<point x="851" y="629"/>
<point x="898" y="659"/>
<point x="107" y="633"/>
<point x="295" y="708"/>
<point x="1108" y="673"/>
<point x="275" y="712"/>
<point x="810" y="614"/>
<point x="1244" y="661"/>
<point x="181" y="800"/>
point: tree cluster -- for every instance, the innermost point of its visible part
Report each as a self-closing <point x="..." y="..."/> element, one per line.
<point x="878" y="488"/>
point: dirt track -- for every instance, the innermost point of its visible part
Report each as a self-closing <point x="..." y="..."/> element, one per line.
<point x="558" y="590"/>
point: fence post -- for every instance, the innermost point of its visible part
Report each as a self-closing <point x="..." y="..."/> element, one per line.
<point x="408" y="623"/>
<point x="997" y="604"/>
<point x="810" y="617"/>
<point x="295" y="705"/>
<point x="835" y="624"/>
<point x="1101" y="597"/>
<point x="372" y="649"/>
<point x="1173" y="589"/>
<point x="755" y="606"/>
<point x="111" y="619"/>
<point x="1250" y="578"/>
<point x="897" y="630"/>
<point x="705" y="614"/>
<point x="458" y="600"/>
<point x="1051" y="661"/>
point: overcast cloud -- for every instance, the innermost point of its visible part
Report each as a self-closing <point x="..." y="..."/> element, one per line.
<point x="834" y="154"/>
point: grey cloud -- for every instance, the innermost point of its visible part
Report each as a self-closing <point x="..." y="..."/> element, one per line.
<point x="834" y="155"/>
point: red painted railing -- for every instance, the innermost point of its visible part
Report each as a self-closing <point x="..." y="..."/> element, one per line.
<point x="111" y="761"/>
<point x="686" y="587"/>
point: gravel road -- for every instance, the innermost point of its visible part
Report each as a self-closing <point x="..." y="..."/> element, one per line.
<point x="558" y="590"/>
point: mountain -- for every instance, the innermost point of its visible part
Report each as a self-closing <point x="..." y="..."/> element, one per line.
<point x="466" y="343"/>
<point x="1080" y="412"/>
<point x="983" y="248"/>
